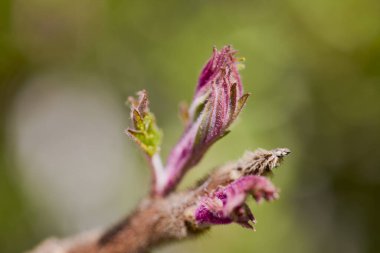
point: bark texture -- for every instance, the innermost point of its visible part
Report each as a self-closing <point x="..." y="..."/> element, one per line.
<point x="160" y="220"/>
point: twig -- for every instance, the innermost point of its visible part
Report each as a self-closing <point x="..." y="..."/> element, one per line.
<point x="161" y="220"/>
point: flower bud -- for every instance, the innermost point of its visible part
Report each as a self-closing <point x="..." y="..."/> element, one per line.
<point x="217" y="102"/>
<point x="227" y="204"/>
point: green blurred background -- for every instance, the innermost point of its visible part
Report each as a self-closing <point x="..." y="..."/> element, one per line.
<point x="313" y="67"/>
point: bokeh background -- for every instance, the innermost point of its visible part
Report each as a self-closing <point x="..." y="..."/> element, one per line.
<point x="67" y="67"/>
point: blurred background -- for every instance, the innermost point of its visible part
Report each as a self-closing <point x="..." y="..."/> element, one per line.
<point x="67" y="67"/>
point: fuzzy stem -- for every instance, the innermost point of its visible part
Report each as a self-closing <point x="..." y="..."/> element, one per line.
<point x="156" y="221"/>
<point x="160" y="220"/>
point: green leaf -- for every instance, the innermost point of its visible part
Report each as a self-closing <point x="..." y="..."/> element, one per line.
<point x="147" y="135"/>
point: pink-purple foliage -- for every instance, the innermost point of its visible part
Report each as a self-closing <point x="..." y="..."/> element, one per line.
<point x="217" y="102"/>
<point x="227" y="204"/>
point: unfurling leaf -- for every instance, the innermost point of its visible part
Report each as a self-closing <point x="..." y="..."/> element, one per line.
<point x="227" y="204"/>
<point x="145" y="132"/>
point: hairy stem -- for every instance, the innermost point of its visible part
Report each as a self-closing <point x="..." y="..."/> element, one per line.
<point x="160" y="220"/>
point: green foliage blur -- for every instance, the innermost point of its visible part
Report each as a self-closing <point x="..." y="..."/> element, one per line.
<point x="313" y="68"/>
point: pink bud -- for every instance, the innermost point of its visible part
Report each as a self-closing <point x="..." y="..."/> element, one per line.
<point x="217" y="102"/>
<point x="227" y="204"/>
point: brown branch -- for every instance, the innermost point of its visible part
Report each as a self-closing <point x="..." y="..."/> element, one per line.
<point x="159" y="220"/>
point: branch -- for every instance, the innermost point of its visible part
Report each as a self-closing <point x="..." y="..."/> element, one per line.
<point x="184" y="214"/>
